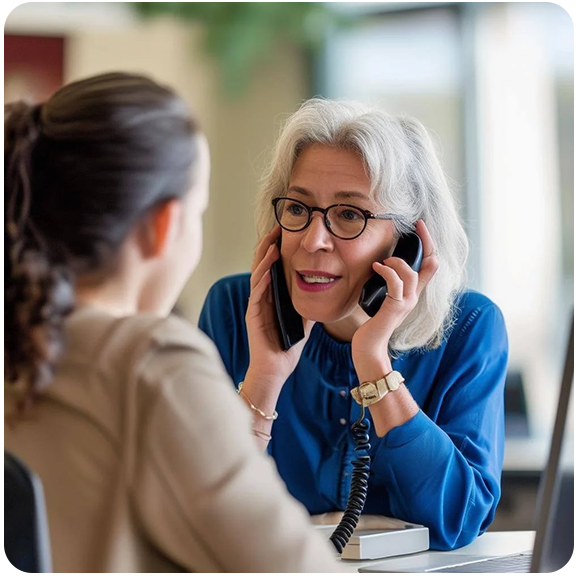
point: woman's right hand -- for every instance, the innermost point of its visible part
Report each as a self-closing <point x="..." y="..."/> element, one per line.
<point x="270" y="365"/>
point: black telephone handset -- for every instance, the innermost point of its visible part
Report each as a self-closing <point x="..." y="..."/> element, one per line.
<point x="409" y="248"/>
<point x="290" y="324"/>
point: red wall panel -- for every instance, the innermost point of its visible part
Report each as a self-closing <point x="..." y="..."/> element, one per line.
<point x="33" y="66"/>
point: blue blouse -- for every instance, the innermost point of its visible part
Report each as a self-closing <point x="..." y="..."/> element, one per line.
<point x="441" y="469"/>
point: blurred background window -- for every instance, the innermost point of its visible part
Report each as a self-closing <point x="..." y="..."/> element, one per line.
<point x="407" y="62"/>
<point x="494" y="82"/>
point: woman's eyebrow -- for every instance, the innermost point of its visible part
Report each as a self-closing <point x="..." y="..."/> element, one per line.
<point x="298" y="189"/>
<point x="338" y="194"/>
<point x="351" y="194"/>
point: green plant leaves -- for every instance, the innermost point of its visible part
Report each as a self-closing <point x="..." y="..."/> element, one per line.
<point x="241" y="35"/>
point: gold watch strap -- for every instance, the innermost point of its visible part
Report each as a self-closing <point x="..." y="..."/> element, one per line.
<point x="371" y="392"/>
<point x="394" y="380"/>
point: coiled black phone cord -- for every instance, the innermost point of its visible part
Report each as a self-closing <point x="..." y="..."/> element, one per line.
<point x="358" y="486"/>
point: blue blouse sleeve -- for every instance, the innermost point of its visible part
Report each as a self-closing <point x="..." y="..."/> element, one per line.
<point x="443" y="467"/>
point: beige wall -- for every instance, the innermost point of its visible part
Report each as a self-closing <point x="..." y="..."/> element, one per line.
<point x="239" y="132"/>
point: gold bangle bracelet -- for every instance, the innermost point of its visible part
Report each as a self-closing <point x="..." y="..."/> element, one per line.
<point x="271" y="417"/>
<point x="261" y="435"/>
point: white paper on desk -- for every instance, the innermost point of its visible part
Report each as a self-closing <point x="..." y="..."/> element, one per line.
<point x="366" y="522"/>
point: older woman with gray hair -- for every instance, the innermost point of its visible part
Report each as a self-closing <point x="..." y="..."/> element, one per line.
<point x="347" y="187"/>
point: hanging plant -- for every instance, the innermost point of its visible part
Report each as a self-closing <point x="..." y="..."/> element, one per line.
<point x="241" y="35"/>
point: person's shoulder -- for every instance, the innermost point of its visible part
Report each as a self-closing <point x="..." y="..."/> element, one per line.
<point x="166" y="361"/>
<point x="232" y="285"/>
<point x="169" y="347"/>
<point x="175" y="331"/>
<point x="130" y="338"/>
<point x="470" y="300"/>
<point x="123" y="350"/>
<point x="226" y="303"/>
<point x="475" y="309"/>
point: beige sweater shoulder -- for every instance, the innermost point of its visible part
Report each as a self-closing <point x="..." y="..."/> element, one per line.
<point x="147" y="461"/>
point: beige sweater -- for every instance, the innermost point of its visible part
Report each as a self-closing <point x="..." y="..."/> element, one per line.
<point x="147" y="461"/>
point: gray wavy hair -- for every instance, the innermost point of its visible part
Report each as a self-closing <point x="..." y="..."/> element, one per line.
<point x="406" y="178"/>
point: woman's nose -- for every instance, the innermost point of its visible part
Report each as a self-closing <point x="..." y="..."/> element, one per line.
<point x="316" y="236"/>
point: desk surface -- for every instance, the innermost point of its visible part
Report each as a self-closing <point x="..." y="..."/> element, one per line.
<point x="489" y="544"/>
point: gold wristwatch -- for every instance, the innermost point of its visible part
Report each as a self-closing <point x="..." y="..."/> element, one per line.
<point x="372" y="392"/>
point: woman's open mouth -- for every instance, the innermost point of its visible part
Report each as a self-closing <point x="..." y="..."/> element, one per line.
<point x="315" y="281"/>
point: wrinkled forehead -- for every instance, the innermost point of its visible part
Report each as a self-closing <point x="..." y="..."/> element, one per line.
<point x="336" y="174"/>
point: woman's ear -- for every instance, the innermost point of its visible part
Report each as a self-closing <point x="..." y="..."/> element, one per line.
<point x="160" y="228"/>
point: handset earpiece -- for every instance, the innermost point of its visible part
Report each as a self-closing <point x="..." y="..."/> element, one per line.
<point x="408" y="248"/>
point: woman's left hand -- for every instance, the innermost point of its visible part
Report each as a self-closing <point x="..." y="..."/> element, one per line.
<point x="370" y="342"/>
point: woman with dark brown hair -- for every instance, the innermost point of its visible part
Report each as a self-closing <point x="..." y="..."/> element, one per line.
<point x="145" y="452"/>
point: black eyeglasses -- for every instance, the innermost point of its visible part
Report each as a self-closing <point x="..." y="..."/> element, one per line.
<point x="342" y="220"/>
